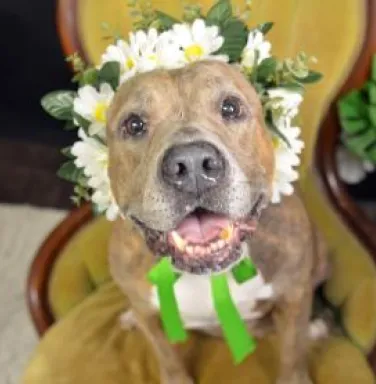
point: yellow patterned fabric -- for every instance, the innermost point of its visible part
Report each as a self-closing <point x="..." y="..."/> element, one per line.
<point x="87" y="344"/>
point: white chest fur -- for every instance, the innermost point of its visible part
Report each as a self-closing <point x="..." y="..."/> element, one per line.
<point x="193" y="294"/>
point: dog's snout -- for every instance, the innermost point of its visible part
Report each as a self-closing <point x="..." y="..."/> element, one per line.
<point x="194" y="167"/>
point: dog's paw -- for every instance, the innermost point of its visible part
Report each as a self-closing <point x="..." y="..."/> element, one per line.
<point x="318" y="330"/>
<point x="298" y="378"/>
<point x="178" y="380"/>
<point x="127" y="320"/>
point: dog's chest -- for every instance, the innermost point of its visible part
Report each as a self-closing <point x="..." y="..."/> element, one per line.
<point x="193" y="294"/>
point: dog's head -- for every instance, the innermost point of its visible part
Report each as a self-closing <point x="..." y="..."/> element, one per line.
<point x="191" y="162"/>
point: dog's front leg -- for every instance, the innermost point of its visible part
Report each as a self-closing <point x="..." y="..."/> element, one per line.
<point x="130" y="262"/>
<point x="292" y="321"/>
<point x="147" y="321"/>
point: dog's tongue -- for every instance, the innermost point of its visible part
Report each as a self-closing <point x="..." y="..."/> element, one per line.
<point x="202" y="228"/>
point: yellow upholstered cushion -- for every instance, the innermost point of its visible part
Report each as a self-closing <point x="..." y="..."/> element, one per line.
<point x="87" y="344"/>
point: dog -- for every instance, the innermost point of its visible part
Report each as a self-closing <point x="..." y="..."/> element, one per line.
<point x="191" y="167"/>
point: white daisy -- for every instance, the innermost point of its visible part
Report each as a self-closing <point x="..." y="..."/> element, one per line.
<point x="196" y="42"/>
<point x="105" y="202"/>
<point x="123" y="53"/>
<point x="144" y="47"/>
<point x="284" y="102"/>
<point x="286" y="158"/>
<point x="160" y="52"/>
<point x="256" y="45"/>
<point x="92" y="156"/>
<point x="144" y="52"/>
<point x="92" y="105"/>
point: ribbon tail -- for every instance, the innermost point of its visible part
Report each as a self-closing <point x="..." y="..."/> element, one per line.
<point x="234" y="329"/>
<point x="170" y="316"/>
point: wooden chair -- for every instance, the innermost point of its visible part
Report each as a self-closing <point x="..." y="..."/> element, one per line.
<point x="363" y="228"/>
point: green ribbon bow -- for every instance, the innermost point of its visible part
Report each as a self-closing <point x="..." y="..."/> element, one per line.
<point x="240" y="342"/>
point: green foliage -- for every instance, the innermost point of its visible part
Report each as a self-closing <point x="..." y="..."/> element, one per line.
<point x="81" y="121"/>
<point x="219" y="13"/>
<point x="357" y="115"/>
<point x="191" y="12"/>
<point x="67" y="152"/>
<point x="68" y="171"/>
<point x="235" y="34"/>
<point x="69" y="125"/>
<point x="89" y="77"/>
<point x="59" y="104"/>
<point x="165" y="21"/>
<point x="264" y="28"/>
<point x="274" y="129"/>
<point x="233" y="30"/>
<point x="266" y="70"/>
<point x="110" y="73"/>
<point x="76" y="61"/>
<point x="312" y="77"/>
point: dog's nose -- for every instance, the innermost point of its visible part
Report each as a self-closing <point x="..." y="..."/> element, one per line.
<point x="194" y="167"/>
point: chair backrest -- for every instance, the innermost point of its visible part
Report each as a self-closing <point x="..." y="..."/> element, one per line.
<point x="328" y="139"/>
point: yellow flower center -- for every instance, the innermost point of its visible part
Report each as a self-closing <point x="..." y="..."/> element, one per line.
<point x="129" y="64"/>
<point x="276" y="142"/>
<point x="152" y="57"/>
<point x="100" y="112"/>
<point x="193" y="52"/>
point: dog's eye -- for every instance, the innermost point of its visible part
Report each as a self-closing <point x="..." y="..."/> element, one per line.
<point x="230" y="108"/>
<point x="134" y="126"/>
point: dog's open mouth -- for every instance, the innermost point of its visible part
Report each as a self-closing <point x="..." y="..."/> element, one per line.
<point x="204" y="242"/>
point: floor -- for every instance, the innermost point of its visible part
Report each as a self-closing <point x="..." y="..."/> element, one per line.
<point x="22" y="229"/>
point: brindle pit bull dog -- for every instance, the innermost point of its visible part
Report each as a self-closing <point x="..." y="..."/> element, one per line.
<point x="191" y="160"/>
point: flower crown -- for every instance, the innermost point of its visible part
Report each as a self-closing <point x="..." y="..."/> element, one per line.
<point x="160" y="41"/>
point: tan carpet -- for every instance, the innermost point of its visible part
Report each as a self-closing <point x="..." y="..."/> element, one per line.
<point x="22" y="229"/>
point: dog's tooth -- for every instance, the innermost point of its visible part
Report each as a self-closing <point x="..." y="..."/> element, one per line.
<point x="201" y="251"/>
<point x="189" y="249"/>
<point x="179" y="242"/>
<point x="221" y="243"/>
<point x="197" y="250"/>
<point x="214" y="246"/>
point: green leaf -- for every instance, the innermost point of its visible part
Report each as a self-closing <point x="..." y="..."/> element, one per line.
<point x="371" y="154"/>
<point x="373" y="69"/>
<point x="354" y="126"/>
<point x="219" y="12"/>
<point x="352" y="106"/>
<point x="59" y="104"/>
<point x="372" y="114"/>
<point x="235" y="34"/>
<point x="371" y="88"/>
<point x="67" y="152"/>
<point x="81" y="121"/>
<point x="360" y="143"/>
<point x="265" y="27"/>
<point x="110" y="73"/>
<point x="68" y="171"/>
<point x="166" y="20"/>
<point x="312" y="77"/>
<point x="90" y="76"/>
<point x="96" y="210"/>
<point x="266" y="69"/>
<point x="273" y="128"/>
<point x="69" y="125"/>
<point x="292" y="86"/>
